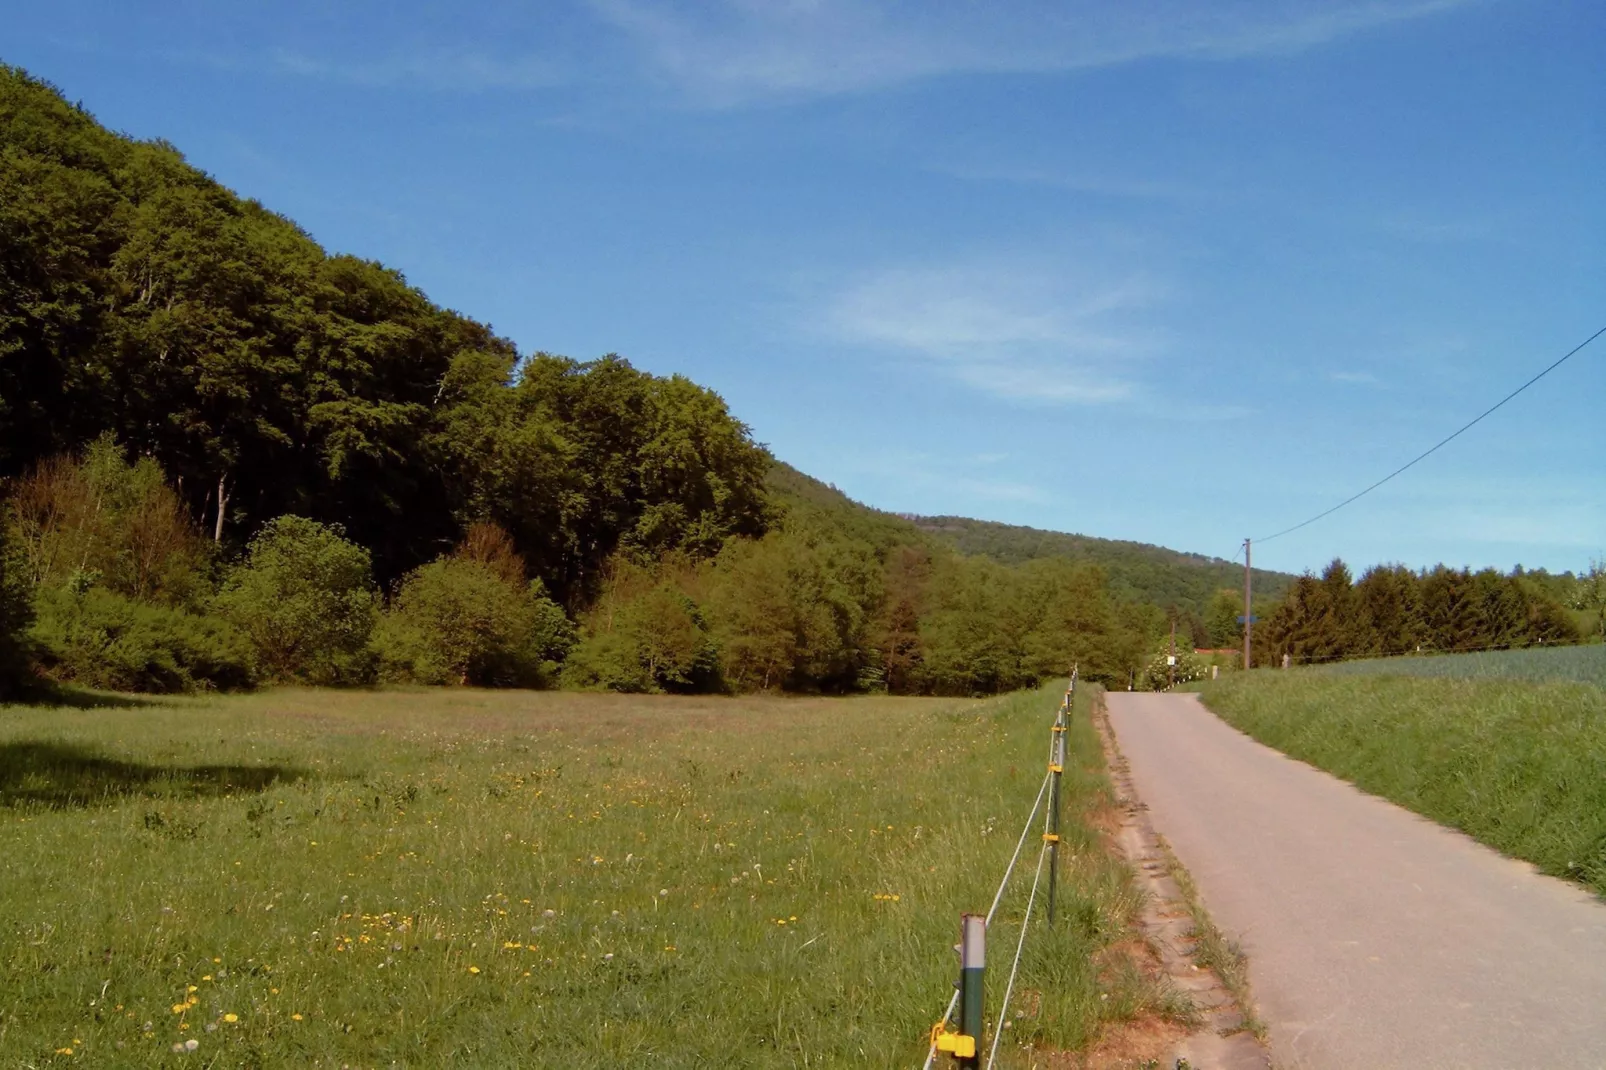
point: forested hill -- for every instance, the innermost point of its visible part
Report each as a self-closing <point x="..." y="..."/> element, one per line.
<point x="1137" y="570"/>
<point x="140" y="298"/>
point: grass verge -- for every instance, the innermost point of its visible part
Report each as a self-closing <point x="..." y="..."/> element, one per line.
<point x="513" y="879"/>
<point x="1518" y="766"/>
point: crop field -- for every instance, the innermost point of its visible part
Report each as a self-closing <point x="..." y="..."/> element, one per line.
<point x="1584" y="664"/>
<point x="376" y="879"/>
<point x="1519" y="765"/>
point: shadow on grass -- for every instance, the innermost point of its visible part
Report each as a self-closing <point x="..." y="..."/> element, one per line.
<point x="62" y="775"/>
<point x="65" y="696"/>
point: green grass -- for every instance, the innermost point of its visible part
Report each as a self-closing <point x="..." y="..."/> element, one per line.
<point x="522" y="879"/>
<point x="1582" y="664"/>
<point x="1519" y="766"/>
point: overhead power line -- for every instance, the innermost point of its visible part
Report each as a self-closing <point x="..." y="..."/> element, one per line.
<point x="1438" y="445"/>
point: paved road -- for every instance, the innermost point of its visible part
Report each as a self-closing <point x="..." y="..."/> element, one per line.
<point x="1376" y="939"/>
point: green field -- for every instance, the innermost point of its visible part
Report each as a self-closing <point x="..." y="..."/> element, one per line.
<point x="1518" y="765"/>
<point x="1582" y="664"/>
<point x="517" y="879"/>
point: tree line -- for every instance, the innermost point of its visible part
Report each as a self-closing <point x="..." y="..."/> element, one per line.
<point x="110" y="582"/>
<point x="1392" y="610"/>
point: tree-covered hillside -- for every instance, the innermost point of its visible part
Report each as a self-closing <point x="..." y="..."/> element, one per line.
<point x="140" y="297"/>
<point x="1137" y="570"/>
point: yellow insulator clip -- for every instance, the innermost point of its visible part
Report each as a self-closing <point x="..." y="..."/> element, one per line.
<point x="1057" y="728"/>
<point x="1051" y="837"/>
<point x="958" y="1045"/>
<point x="1056" y="769"/>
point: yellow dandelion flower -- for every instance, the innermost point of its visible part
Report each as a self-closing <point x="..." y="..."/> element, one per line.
<point x="180" y="1008"/>
<point x="191" y="988"/>
<point x="473" y="969"/>
<point x="231" y="1017"/>
<point x="295" y="1017"/>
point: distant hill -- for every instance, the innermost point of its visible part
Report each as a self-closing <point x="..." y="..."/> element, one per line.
<point x="1138" y="571"/>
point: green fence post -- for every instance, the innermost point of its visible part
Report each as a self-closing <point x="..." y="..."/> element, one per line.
<point x="972" y="967"/>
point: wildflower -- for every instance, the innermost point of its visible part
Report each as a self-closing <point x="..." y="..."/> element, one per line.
<point x="295" y="1017"/>
<point x="473" y="969"/>
<point x="231" y="1017"/>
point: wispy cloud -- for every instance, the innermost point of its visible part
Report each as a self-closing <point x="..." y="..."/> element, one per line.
<point x="734" y="51"/>
<point x="939" y="484"/>
<point x="1019" y="331"/>
<point x="454" y="69"/>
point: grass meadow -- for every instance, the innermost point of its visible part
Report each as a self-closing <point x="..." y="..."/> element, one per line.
<point x="1519" y="765"/>
<point x="377" y="879"/>
<point x="1583" y="664"/>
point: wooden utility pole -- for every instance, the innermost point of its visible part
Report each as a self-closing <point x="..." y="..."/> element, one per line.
<point x="1249" y="615"/>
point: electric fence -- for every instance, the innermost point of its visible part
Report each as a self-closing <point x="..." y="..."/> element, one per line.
<point x="966" y="1010"/>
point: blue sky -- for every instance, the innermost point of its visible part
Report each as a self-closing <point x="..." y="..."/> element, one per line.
<point x="1152" y="269"/>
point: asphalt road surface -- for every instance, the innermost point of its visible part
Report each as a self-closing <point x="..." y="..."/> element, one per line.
<point x="1376" y="938"/>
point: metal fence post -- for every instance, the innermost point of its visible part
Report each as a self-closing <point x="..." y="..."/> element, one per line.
<point x="1055" y="768"/>
<point x="972" y="967"/>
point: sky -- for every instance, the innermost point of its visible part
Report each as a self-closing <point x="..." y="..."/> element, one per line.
<point x="1164" y="270"/>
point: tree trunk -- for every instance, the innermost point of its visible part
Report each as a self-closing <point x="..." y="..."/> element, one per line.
<point x="222" y="504"/>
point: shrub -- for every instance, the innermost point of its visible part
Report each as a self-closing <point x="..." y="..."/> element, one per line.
<point x="1158" y="673"/>
<point x="304" y="598"/>
<point x="100" y="638"/>
<point x="647" y="639"/>
<point x="120" y="520"/>
<point x="462" y="621"/>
